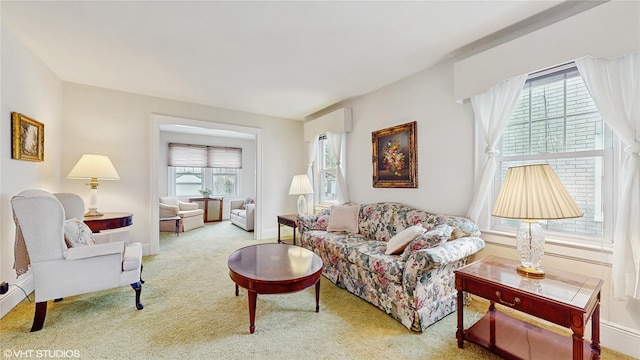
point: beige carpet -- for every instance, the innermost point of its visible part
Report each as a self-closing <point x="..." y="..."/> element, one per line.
<point x="191" y="312"/>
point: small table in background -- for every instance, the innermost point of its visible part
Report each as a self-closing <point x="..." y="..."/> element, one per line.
<point x="173" y="218"/>
<point x="287" y="220"/>
<point x="108" y="221"/>
<point x="212" y="207"/>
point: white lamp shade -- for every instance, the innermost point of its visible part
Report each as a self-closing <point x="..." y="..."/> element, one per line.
<point x="534" y="192"/>
<point x="300" y="185"/>
<point x="94" y="166"/>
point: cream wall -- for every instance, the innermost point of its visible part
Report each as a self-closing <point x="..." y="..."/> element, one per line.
<point x="30" y="88"/>
<point x="83" y="119"/>
<point x="117" y="124"/>
<point x="446" y="150"/>
<point x="444" y="141"/>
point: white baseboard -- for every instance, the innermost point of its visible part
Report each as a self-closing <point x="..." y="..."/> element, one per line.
<point x="12" y="298"/>
<point x="620" y="339"/>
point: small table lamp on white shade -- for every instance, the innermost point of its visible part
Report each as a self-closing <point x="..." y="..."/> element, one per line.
<point x="300" y="185"/>
<point x="531" y="193"/>
<point x="94" y="167"/>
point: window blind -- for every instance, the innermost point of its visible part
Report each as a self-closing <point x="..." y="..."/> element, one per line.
<point x="187" y="155"/>
<point x="224" y="157"/>
<point x="204" y="156"/>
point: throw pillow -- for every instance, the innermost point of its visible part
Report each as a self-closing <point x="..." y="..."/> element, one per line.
<point x="435" y="237"/>
<point x="400" y="241"/>
<point x="344" y="218"/>
<point x="77" y="233"/>
<point x="246" y="202"/>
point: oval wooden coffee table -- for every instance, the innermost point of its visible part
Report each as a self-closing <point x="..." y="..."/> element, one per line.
<point x="274" y="269"/>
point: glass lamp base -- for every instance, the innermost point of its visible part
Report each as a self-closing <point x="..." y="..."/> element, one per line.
<point x="530" y="245"/>
<point x="530" y="272"/>
<point x="302" y="205"/>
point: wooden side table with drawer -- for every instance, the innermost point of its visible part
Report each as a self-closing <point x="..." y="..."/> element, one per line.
<point x="563" y="298"/>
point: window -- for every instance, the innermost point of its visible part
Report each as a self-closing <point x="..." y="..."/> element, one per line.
<point x="224" y="181"/>
<point x="189" y="180"/>
<point x="196" y="167"/>
<point x="328" y="167"/>
<point x="556" y="122"/>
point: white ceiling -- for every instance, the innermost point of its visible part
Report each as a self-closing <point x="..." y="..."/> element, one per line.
<point x="285" y="59"/>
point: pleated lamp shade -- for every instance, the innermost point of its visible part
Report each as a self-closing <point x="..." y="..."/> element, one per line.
<point x="534" y="192"/>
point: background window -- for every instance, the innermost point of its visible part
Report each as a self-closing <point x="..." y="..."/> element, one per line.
<point x="188" y="180"/>
<point x="328" y="172"/>
<point x="556" y="122"/>
<point x="224" y="181"/>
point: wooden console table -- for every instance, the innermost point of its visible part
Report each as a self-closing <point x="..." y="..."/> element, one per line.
<point x="563" y="298"/>
<point x="212" y="207"/>
<point x="108" y="221"/>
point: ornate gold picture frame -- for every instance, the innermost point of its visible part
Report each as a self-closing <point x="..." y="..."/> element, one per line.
<point x="27" y="140"/>
<point x="395" y="157"/>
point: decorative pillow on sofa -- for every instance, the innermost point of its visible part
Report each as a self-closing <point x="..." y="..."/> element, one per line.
<point x="344" y="218"/>
<point x="246" y="202"/>
<point x="435" y="237"/>
<point x="77" y="233"/>
<point x="396" y="244"/>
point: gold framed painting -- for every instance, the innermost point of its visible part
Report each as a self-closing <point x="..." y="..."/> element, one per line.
<point x="395" y="157"/>
<point x="27" y="140"/>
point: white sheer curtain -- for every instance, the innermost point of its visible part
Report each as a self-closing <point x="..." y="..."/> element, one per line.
<point x="312" y="152"/>
<point x="492" y="111"/>
<point x="614" y="85"/>
<point x="337" y="142"/>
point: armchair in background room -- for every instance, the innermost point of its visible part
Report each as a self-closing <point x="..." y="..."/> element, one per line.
<point x="243" y="213"/>
<point x="190" y="216"/>
<point x="65" y="258"/>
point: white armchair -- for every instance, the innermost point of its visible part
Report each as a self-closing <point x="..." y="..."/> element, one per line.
<point x="59" y="270"/>
<point x="190" y="216"/>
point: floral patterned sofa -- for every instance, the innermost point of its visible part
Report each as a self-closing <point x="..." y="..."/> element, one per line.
<point x="417" y="286"/>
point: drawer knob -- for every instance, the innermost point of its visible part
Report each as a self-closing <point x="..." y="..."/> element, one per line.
<point x="515" y="302"/>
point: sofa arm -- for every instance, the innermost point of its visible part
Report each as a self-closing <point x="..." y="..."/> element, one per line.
<point x="250" y="216"/>
<point x="306" y="222"/>
<point x="186" y="206"/>
<point x="168" y="210"/>
<point x="426" y="259"/>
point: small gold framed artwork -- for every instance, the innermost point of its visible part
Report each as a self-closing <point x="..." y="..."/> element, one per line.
<point x="27" y="140"/>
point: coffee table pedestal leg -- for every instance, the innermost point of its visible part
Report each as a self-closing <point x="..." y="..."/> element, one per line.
<point x="252" y="310"/>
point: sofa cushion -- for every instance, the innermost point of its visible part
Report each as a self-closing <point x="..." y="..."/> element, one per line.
<point x="77" y="233"/>
<point x="400" y="240"/>
<point x="439" y="235"/>
<point x="344" y="218"/>
<point x="191" y="213"/>
<point x="370" y="256"/>
<point x="239" y="212"/>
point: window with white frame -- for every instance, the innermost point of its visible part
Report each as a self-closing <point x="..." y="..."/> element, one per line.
<point x="194" y="167"/>
<point x="328" y="167"/>
<point x="556" y="122"/>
